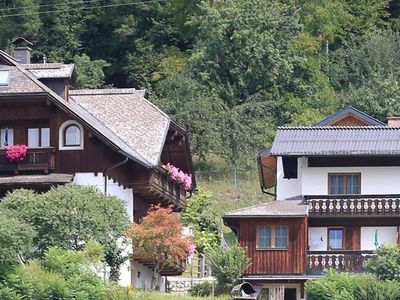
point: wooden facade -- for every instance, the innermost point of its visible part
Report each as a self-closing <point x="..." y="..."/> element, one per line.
<point x="274" y="261"/>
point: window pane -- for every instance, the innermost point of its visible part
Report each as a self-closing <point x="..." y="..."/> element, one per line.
<point x="45" y="137"/>
<point x="264" y="237"/>
<point x="4" y="77"/>
<point x="336" y="184"/>
<point x="33" y="137"/>
<point x="281" y="236"/>
<point x="7" y="137"/>
<point x="72" y="136"/>
<point x="336" y="239"/>
<point x="352" y="184"/>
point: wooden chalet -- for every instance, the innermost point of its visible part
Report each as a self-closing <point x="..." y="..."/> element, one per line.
<point x="113" y="139"/>
<point x="336" y="199"/>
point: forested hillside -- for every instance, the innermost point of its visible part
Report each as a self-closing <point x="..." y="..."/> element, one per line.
<point x="229" y="70"/>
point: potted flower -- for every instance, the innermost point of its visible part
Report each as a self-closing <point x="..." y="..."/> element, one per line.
<point x="179" y="176"/>
<point x="16" y="153"/>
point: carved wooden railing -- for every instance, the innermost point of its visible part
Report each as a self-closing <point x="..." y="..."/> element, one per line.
<point x="36" y="159"/>
<point x="353" y="205"/>
<point x="348" y="260"/>
<point x="166" y="271"/>
<point x="156" y="185"/>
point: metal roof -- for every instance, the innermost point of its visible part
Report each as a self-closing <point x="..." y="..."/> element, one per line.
<point x="340" y="140"/>
<point x="279" y="208"/>
<point x="350" y="111"/>
<point x="50" y="70"/>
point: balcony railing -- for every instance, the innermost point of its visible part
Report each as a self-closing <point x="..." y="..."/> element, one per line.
<point x="373" y="205"/>
<point x="156" y="185"/>
<point x="36" y="159"/>
<point x="348" y="261"/>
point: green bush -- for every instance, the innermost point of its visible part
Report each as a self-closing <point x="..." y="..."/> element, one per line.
<point x="386" y="263"/>
<point x="346" y="286"/>
<point x="203" y="289"/>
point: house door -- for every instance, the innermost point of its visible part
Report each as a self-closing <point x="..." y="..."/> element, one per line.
<point x="290" y="294"/>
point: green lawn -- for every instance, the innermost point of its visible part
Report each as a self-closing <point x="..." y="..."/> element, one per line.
<point x="142" y="295"/>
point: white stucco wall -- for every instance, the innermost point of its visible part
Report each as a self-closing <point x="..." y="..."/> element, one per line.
<point x="286" y="188"/>
<point x="386" y="235"/>
<point x="126" y="196"/>
<point x="318" y="238"/>
<point x="374" y="180"/>
<point x="142" y="276"/>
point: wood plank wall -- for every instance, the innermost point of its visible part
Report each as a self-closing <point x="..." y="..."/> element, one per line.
<point x="289" y="261"/>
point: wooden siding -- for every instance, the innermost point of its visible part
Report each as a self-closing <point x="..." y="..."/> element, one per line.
<point x="288" y="261"/>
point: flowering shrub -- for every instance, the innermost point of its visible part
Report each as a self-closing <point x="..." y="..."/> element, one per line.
<point x="16" y="152"/>
<point x="179" y="176"/>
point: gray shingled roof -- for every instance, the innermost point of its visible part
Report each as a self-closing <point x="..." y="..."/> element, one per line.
<point x="50" y="70"/>
<point x="98" y="122"/>
<point x="137" y="123"/>
<point x="19" y="83"/>
<point x="341" y="140"/>
<point x="280" y="208"/>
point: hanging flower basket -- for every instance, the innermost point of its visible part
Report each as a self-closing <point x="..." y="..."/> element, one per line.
<point x="16" y="153"/>
<point x="179" y="176"/>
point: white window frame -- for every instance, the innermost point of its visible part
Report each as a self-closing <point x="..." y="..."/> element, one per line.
<point x="61" y="136"/>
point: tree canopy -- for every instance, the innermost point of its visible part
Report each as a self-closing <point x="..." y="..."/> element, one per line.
<point x="229" y="70"/>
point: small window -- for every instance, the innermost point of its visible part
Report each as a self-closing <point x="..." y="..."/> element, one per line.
<point x="272" y="237"/>
<point x="4" y="77"/>
<point x="71" y="136"/>
<point x="340" y="184"/>
<point x="6" y="137"/>
<point x="335" y="239"/>
<point x="281" y="236"/>
<point x="264" y="237"/>
<point x="38" y="137"/>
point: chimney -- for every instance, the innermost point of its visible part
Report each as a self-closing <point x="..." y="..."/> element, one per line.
<point x="21" y="50"/>
<point x="393" y="121"/>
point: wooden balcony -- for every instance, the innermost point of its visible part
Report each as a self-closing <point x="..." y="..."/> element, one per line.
<point x="354" y="205"/>
<point x="156" y="186"/>
<point x="345" y="261"/>
<point x="36" y="159"/>
<point x="166" y="271"/>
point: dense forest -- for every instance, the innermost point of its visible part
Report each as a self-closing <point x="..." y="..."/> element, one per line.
<point x="229" y="70"/>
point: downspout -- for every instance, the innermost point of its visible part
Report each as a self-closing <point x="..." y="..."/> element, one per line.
<point x="109" y="169"/>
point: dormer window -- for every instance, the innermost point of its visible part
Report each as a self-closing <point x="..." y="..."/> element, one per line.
<point x="4" y="77"/>
<point x="71" y="136"/>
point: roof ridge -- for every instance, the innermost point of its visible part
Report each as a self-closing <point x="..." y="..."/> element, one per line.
<point x="108" y="91"/>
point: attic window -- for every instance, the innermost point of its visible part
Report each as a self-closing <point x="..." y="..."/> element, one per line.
<point x="4" y="77"/>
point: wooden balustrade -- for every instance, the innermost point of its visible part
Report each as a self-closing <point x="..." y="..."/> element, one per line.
<point x="354" y="205"/>
<point x="348" y="261"/>
<point x="36" y="159"/>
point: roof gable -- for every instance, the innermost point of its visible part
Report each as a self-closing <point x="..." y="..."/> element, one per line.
<point x="350" y="116"/>
<point x="111" y="135"/>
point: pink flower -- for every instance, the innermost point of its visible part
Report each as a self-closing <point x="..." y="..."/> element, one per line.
<point x="16" y="152"/>
<point x="179" y="176"/>
<point x="191" y="249"/>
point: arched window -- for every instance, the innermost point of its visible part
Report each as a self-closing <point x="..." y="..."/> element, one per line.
<point x="71" y="136"/>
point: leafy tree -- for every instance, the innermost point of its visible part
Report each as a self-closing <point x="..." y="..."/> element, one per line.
<point x="15" y="241"/>
<point x="386" y="263"/>
<point x="69" y="216"/>
<point x="228" y="264"/>
<point x="159" y="238"/>
<point x="198" y="213"/>
<point x="89" y="72"/>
